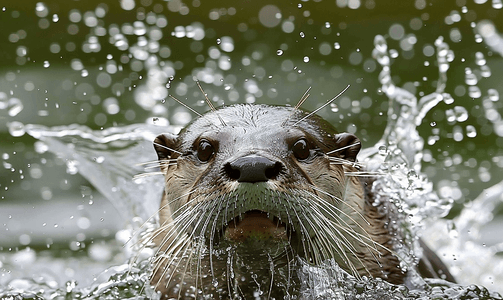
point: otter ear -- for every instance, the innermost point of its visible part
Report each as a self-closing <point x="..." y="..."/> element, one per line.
<point x="347" y="146"/>
<point x="164" y="145"/>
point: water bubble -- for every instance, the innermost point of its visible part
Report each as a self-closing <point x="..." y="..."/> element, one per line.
<point x="46" y="64"/>
<point x="279" y="52"/>
<point x="302" y="35"/>
<point x="497" y="4"/>
<point x="219" y="41"/>
<point x="55" y="18"/>
<point x="306" y="59"/>
<point x="327" y="25"/>
<point x="337" y="46"/>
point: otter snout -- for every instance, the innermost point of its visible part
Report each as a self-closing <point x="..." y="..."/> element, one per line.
<point x="253" y="168"/>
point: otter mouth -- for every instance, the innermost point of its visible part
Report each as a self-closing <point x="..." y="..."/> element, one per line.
<point x="256" y="225"/>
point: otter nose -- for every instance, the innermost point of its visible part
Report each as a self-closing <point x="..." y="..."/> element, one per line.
<point x="252" y="168"/>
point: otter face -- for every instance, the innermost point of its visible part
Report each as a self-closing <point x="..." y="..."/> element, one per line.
<point x="262" y="180"/>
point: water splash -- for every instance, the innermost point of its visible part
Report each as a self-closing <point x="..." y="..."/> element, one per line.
<point x="397" y="154"/>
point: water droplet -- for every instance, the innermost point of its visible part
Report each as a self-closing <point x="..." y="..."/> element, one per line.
<point x="41" y="10"/>
<point x="485" y="71"/>
<point x="471" y="132"/>
<point x="383" y="150"/>
<point x="470" y="78"/>
<point x="449" y="115"/>
<point x="15" y="106"/>
<point x="448" y="98"/>
<point x="16" y="128"/>
<point x="461" y="113"/>
<point x="480" y="59"/>
<point x="493" y="95"/>
<point x="474" y="92"/>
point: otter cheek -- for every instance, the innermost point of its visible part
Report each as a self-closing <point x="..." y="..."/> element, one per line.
<point x="254" y="227"/>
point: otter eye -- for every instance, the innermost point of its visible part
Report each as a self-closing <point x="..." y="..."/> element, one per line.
<point x="205" y="151"/>
<point x="301" y="149"/>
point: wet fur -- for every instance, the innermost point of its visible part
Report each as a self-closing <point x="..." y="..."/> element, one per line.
<point x="349" y="227"/>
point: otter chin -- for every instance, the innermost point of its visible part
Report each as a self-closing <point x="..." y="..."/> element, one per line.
<point x="250" y="189"/>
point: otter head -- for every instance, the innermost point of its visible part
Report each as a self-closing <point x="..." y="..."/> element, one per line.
<point x="263" y="180"/>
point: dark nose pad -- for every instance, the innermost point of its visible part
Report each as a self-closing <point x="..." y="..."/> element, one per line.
<point x="252" y="168"/>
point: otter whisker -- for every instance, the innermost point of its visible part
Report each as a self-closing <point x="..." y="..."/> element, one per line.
<point x="346" y="243"/>
<point x="361" y="237"/>
<point x="342" y="148"/>
<point x="208" y="101"/>
<point x="271" y="268"/>
<point x="306" y="232"/>
<point x="185" y="105"/>
<point x="323" y="205"/>
<point x="339" y="200"/>
<point x="321" y="107"/>
<point x="159" y="210"/>
<point x="154" y="162"/>
<point x="143" y="175"/>
<point x="167" y="148"/>
<point x="163" y="164"/>
<point x="340" y="239"/>
<point x="301" y="101"/>
<point x="364" y="174"/>
<point x="342" y="161"/>
<point x="153" y="235"/>
<point x="183" y="245"/>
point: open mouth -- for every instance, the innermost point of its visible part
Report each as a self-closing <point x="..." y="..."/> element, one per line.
<point x="256" y="225"/>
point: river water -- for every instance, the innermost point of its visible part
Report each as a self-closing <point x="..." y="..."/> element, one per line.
<point x="424" y="99"/>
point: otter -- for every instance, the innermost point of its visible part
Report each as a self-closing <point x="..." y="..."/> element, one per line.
<point x="249" y="189"/>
